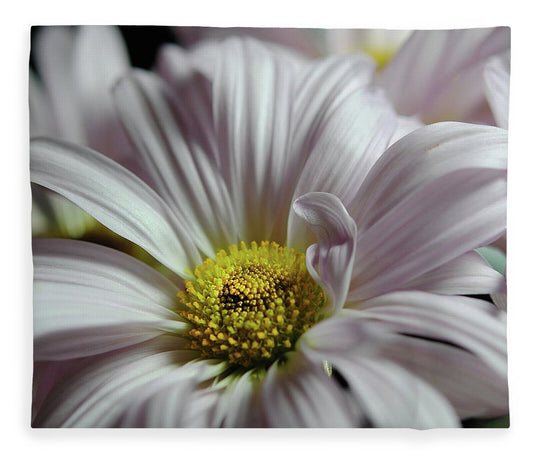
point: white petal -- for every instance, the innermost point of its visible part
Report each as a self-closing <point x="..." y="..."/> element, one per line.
<point x="468" y="383"/>
<point x="54" y="52"/>
<point x="41" y="123"/>
<point x="348" y="142"/>
<point x="252" y="107"/>
<point x="420" y="157"/>
<point x="406" y="125"/>
<point x="391" y="397"/>
<point x="299" y="394"/>
<point x="99" y="391"/>
<point x="115" y="197"/>
<point x="166" y="401"/>
<point x="184" y="175"/>
<point x="99" y="59"/>
<point x="432" y="226"/>
<point x="425" y="77"/>
<point x="500" y="301"/>
<point x="471" y="324"/>
<point x="497" y="81"/>
<point x="467" y="274"/>
<point x="330" y="261"/>
<point x="238" y="405"/>
<point x="322" y="86"/>
<point x="344" y="335"/>
<point x="90" y="299"/>
<point x="335" y="117"/>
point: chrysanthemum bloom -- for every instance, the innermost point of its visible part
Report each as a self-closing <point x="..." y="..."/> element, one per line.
<point x="438" y="75"/>
<point x="321" y="272"/>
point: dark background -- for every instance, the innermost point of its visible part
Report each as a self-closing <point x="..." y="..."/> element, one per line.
<point x="142" y="42"/>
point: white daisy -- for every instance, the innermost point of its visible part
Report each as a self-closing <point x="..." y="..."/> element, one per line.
<point x="321" y="270"/>
<point x="438" y="75"/>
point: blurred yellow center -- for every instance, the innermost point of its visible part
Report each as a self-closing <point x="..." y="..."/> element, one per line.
<point x="250" y="305"/>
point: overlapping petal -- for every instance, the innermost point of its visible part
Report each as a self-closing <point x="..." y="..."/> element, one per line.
<point x="421" y="157"/>
<point x="53" y="54"/>
<point x="469" y="384"/>
<point x="102" y="388"/>
<point x="183" y="173"/>
<point x="438" y="74"/>
<point x="115" y="197"/>
<point x="432" y="197"/>
<point x="497" y="83"/>
<point x="473" y="325"/>
<point x="434" y="225"/>
<point x="467" y="274"/>
<point x="90" y="299"/>
<point x="300" y="394"/>
<point x="393" y="397"/>
<point x="252" y="107"/>
<point x="353" y="134"/>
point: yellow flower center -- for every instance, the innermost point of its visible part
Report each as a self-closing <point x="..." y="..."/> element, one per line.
<point x="251" y="304"/>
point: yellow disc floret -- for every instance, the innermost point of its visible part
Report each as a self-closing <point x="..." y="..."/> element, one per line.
<point x="250" y="305"/>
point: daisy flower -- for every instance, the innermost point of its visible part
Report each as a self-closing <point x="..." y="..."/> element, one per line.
<point x="438" y="75"/>
<point x="323" y="272"/>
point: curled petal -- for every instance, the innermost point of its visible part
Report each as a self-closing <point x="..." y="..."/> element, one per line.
<point x="330" y="261"/>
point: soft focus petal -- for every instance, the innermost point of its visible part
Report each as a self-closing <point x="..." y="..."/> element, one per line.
<point x="40" y="121"/>
<point x="497" y="82"/>
<point x="238" y="404"/>
<point x="99" y="58"/>
<point x="299" y="394"/>
<point x="330" y="261"/>
<point x="166" y="401"/>
<point x="184" y="175"/>
<point x="298" y="39"/>
<point x="99" y="390"/>
<point x="54" y="51"/>
<point x="90" y="299"/>
<point x="116" y="198"/>
<point x="438" y="74"/>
